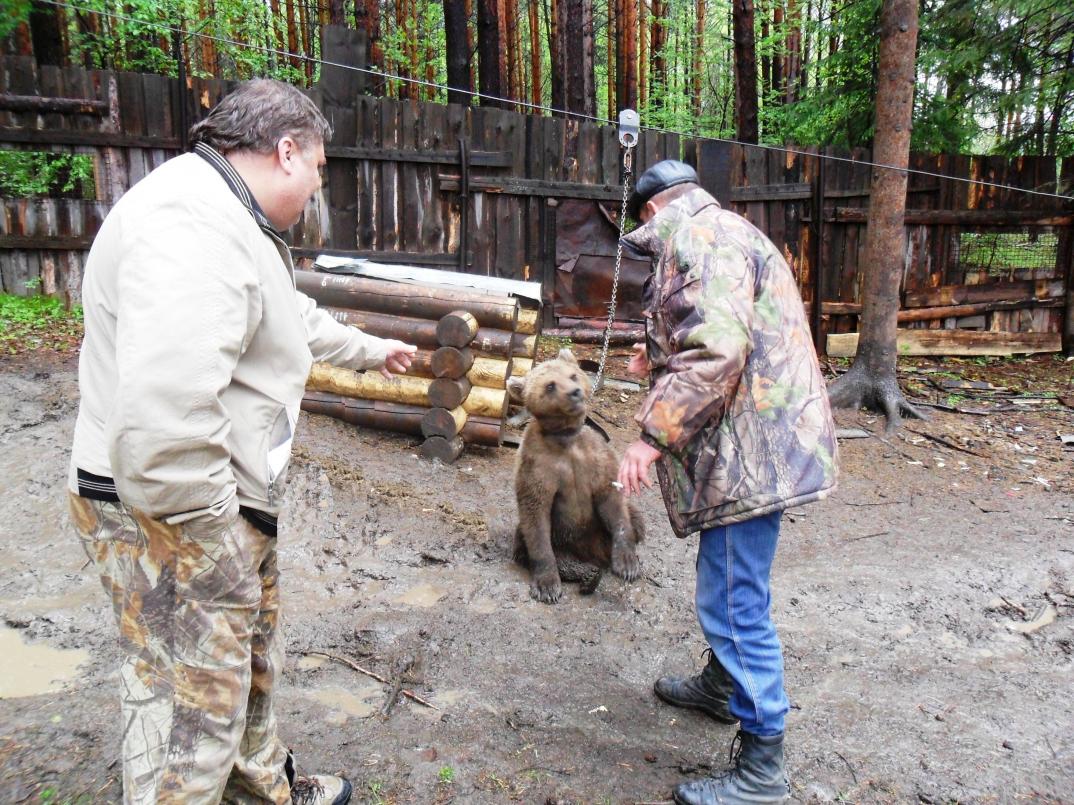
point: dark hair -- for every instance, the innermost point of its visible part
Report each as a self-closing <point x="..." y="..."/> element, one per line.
<point x="257" y="115"/>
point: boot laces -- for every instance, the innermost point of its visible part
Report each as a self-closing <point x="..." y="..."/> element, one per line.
<point x="306" y="791"/>
<point x="732" y="758"/>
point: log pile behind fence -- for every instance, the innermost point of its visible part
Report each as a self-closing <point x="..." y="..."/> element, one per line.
<point x="455" y="392"/>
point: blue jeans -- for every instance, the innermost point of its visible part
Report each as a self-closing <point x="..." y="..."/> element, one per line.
<point x="733" y="565"/>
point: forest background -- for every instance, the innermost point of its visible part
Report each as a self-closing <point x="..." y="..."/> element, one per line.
<point x="993" y="76"/>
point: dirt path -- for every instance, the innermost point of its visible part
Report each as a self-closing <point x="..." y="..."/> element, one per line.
<point x="906" y="604"/>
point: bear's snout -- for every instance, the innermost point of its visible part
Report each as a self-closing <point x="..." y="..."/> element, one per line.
<point x="576" y="395"/>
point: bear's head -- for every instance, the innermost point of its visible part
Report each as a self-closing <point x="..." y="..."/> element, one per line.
<point x="555" y="392"/>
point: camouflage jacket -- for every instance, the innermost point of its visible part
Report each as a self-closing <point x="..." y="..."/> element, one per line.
<point x="737" y="404"/>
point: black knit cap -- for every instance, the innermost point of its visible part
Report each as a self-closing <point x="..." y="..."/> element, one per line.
<point x="658" y="178"/>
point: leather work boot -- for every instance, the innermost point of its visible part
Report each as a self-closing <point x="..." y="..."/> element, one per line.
<point x="708" y="691"/>
<point x="756" y="776"/>
<point x="320" y="789"/>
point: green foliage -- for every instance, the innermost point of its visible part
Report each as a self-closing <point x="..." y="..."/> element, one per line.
<point x="34" y="322"/>
<point x="39" y="173"/>
<point x="446" y="774"/>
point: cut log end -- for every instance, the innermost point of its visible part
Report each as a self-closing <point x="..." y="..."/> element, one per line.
<point x="445" y="393"/>
<point x="456" y="329"/>
<point x="444" y="422"/>
<point x="441" y="449"/>
<point x="451" y="362"/>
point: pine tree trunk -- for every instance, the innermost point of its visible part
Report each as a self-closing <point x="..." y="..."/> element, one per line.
<point x="766" y="54"/>
<point x="614" y="10"/>
<point x="536" y="88"/>
<point x="458" y="51"/>
<point x="368" y="14"/>
<point x="576" y="55"/>
<point x="46" y="33"/>
<point x="871" y="380"/>
<point x="555" y="52"/>
<point x="488" y="51"/>
<point x="793" y="45"/>
<point x="778" y="62"/>
<point x="627" y="95"/>
<point x="745" y="72"/>
<point x="643" y="53"/>
<point x="699" y="44"/>
<point x="658" y="78"/>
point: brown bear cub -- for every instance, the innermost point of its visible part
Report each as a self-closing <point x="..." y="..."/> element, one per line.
<point x="573" y="520"/>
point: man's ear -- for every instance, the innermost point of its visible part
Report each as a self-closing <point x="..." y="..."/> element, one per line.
<point x="650" y="209"/>
<point x="568" y="356"/>
<point x="286" y="153"/>
<point x="516" y="388"/>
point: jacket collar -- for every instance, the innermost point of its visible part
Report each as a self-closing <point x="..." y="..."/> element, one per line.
<point x="648" y="239"/>
<point x="236" y="184"/>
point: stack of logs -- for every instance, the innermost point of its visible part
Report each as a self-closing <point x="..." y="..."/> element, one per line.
<point x="454" y="393"/>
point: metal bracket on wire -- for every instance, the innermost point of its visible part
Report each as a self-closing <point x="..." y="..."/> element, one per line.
<point x="629" y="126"/>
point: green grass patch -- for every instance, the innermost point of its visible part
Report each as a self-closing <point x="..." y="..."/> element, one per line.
<point x="29" y="323"/>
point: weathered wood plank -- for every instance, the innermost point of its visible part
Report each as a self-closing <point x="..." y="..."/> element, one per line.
<point x="953" y="342"/>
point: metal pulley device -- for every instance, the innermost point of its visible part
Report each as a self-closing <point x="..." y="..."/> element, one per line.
<point x="629" y="132"/>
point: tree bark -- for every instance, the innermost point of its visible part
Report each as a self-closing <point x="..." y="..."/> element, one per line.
<point x="626" y="72"/>
<point x="745" y="72"/>
<point x="658" y="78"/>
<point x="488" y="51"/>
<point x="615" y="8"/>
<point x="576" y="55"/>
<point x="367" y="18"/>
<point x="699" y="46"/>
<point x="555" y="53"/>
<point x="536" y="87"/>
<point x="871" y="380"/>
<point x="458" y="52"/>
<point x="643" y="53"/>
<point x="46" y="32"/>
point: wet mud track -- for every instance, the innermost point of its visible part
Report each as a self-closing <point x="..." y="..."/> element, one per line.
<point x="925" y="612"/>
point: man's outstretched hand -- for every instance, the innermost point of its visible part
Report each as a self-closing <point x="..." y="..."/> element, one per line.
<point x="639" y="362"/>
<point x="634" y="468"/>
<point x="399" y="358"/>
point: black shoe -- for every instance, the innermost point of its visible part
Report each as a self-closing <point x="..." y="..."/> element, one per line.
<point x="708" y="691"/>
<point x="756" y="776"/>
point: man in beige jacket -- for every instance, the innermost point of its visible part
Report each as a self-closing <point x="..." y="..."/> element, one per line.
<point x="191" y="374"/>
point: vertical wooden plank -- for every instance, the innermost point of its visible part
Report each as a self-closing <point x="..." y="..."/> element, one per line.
<point x="479" y="226"/>
<point x="390" y="137"/>
<point x="450" y="208"/>
<point x="368" y="176"/>
<point x="432" y="136"/>
<point x="132" y="117"/>
<point x="413" y="210"/>
<point x="508" y="260"/>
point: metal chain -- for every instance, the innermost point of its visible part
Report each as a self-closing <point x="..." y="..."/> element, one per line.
<point x="628" y="160"/>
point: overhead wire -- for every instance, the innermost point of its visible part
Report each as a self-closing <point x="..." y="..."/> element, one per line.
<point x="162" y="26"/>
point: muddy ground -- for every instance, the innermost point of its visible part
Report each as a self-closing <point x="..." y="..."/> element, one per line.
<point x="925" y="611"/>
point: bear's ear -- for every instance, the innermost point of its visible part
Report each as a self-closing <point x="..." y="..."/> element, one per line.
<point x="568" y="356"/>
<point x="516" y="388"/>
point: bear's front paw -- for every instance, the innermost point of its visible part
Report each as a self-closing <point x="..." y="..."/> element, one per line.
<point x="625" y="564"/>
<point x="546" y="590"/>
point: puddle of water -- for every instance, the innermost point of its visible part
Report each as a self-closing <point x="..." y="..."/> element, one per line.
<point x="84" y="595"/>
<point x="443" y="699"/>
<point x="30" y="670"/>
<point x="358" y="703"/>
<point x="311" y="663"/>
<point x="422" y="595"/>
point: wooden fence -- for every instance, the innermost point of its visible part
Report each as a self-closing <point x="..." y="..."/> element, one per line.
<point x="977" y="257"/>
<point x="477" y="189"/>
<point x="472" y="189"/>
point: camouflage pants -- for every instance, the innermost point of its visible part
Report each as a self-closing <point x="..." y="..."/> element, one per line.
<point x="198" y="615"/>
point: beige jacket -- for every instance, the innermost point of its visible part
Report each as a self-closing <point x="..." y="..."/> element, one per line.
<point x="197" y="349"/>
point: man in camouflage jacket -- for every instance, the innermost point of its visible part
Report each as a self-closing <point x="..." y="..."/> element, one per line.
<point x="738" y="423"/>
